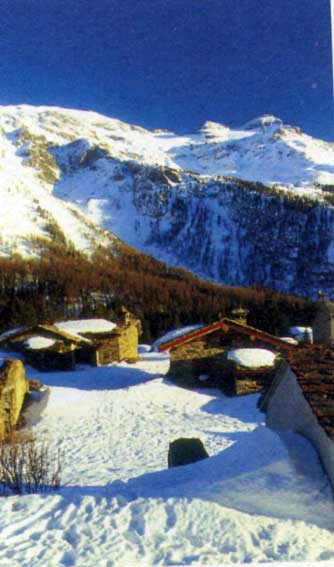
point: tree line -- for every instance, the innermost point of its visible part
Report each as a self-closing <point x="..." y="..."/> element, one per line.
<point x="63" y="283"/>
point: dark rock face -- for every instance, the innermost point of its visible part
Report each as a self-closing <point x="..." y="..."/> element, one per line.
<point x="228" y="230"/>
<point x="185" y="451"/>
<point x="236" y="232"/>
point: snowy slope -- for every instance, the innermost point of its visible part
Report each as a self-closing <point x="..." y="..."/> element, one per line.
<point x="29" y="210"/>
<point x="258" y="498"/>
<point x="192" y="200"/>
<point x="265" y="149"/>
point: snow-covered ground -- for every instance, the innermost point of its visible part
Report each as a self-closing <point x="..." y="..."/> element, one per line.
<point x="259" y="498"/>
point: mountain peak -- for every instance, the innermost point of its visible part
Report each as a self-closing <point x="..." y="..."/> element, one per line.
<point x="213" y="129"/>
<point x="267" y="121"/>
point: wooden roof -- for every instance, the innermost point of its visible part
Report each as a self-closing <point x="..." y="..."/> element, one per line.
<point x="313" y="366"/>
<point x="49" y="331"/>
<point x="227" y="325"/>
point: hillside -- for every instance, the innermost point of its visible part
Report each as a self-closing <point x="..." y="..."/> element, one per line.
<point x="250" y="206"/>
<point x="63" y="283"/>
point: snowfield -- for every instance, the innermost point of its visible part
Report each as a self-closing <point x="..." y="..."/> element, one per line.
<point x="259" y="498"/>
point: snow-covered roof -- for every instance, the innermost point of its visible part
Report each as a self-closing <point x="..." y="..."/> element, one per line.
<point x="11" y="332"/>
<point x="289" y="340"/>
<point x="174" y="334"/>
<point x="252" y="357"/>
<point x="76" y="327"/>
<point x="49" y="331"/>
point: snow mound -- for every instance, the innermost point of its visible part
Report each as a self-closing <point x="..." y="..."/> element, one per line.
<point x="176" y="333"/>
<point x="142" y="349"/>
<point x="252" y="357"/>
<point x="85" y="326"/>
<point x="36" y="343"/>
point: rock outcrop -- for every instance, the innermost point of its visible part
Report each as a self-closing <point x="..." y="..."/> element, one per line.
<point x="13" y="388"/>
<point x="185" y="451"/>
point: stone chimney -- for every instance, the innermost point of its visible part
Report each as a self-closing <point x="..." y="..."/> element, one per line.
<point x="125" y="316"/>
<point x="323" y="324"/>
<point x="240" y="315"/>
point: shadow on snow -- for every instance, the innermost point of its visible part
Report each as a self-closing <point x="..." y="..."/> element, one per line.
<point x="254" y="475"/>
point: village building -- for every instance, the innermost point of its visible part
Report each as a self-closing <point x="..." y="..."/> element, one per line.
<point x="300" y="397"/>
<point x="64" y="344"/>
<point x="199" y="355"/>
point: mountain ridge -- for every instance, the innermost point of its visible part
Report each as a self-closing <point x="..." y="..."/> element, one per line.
<point x="210" y="202"/>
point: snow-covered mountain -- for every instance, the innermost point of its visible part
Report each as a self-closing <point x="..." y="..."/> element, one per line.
<point x="244" y="206"/>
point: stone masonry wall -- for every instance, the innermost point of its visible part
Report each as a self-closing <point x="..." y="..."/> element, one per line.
<point x="13" y="388"/>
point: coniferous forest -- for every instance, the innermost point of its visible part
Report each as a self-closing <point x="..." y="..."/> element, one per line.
<point x="63" y="283"/>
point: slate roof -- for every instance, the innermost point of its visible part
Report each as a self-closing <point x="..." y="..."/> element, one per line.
<point x="313" y="366"/>
<point x="226" y="325"/>
<point x="43" y="330"/>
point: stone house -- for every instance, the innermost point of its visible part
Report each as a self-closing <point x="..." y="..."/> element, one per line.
<point x="201" y="355"/>
<point x="301" y="398"/>
<point x="62" y="345"/>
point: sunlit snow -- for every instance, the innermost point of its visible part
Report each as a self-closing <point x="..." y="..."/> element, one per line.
<point x="259" y="497"/>
<point x="265" y="150"/>
<point x="86" y="326"/>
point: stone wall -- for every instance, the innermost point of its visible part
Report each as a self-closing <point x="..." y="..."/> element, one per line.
<point x="202" y="358"/>
<point x="287" y="409"/>
<point x="51" y="359"/>
<point x="207" y="358"/>
<point x="128" y="343"/>
<point x="123" y="345"/>
<point x="13" y="388"/>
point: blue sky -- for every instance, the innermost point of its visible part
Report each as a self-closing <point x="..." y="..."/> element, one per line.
<point x="172" y="63"/>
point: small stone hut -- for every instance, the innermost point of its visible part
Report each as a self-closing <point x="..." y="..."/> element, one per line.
<point x="13" y="389"/>
<point x="44" y="346"/>
<point x="116" y="345"/>
<point x="301" y="398"/>
<point x="200" y="355"/>
<point x="62" y="345"/>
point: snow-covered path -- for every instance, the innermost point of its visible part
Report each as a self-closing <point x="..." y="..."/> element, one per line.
<point x="258" y="498"/>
